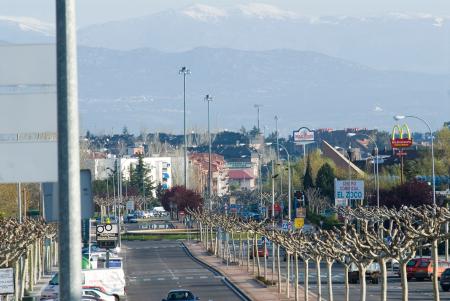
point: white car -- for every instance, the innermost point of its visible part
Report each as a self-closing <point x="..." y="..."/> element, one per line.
<point x="98" y="294"/>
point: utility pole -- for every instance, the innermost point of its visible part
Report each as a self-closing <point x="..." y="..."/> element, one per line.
<point x="68" y="153"/>
<point x="257" y="106"/>
<point x="185" y="72"/>
<point x="208" y="99"/>
<point x="276" y="134"/>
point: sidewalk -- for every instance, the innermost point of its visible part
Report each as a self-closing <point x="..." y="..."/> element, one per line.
<point x="244" y="280"/>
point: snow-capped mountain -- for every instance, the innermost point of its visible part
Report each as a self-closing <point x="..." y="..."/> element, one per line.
<point x="25" y="30"/>
<point x="399" y="41"/>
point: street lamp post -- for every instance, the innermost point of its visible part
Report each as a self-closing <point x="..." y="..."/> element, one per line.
<point x="257" y="106"/>
<point x="400" y="117"/>
<point x="208" y="99"/>
<point x="289" y="180"/>
<point x="185" y="71"/>
<point x="377" y="175"/>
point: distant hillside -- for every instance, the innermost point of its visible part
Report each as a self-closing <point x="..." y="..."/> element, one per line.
<point x="142" y="88"/>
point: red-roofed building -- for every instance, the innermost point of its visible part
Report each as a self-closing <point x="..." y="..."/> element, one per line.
<point x="241" y="179"/>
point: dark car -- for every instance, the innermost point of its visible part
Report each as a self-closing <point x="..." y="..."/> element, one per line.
<point x="180" y="295"/>
<point x="445" y="280"/>
<point x="131" y="218"/>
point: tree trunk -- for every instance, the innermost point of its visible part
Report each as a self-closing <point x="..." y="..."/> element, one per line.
<point x="306" y="284"/>
<point x="330" y="280"/>
<point x="404" y="280"/>
<point x="279" y="269"/>
<point x="216" y="244"/>
<point x="434" y="250"/>
<point x="362" y="282"/>
<point x="248" y="252"/>
<point x="288" y="273"/>
<point x="241" y="250"/>
<point x="296" y="276"/>
<point x="319" y="281"/>
<point x="257" y="255"/>
<point x="234" y="246"/>
<point x="265" y="259"/>
<point x="16" y="280"/>
<point x="212" y="239"/>
<point x="346" y="286"/>
<point x="383" y="269"/>
<point x="201" y="231"/>
<point x="206" y="238"/>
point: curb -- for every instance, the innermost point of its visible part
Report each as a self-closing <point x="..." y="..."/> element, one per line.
<point x="225" y="280"/>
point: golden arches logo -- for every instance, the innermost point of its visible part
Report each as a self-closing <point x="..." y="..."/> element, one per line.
<point x="401" y="130"/>
<point x="398" y="139"/>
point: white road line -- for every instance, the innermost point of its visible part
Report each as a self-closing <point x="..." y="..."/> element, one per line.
<point x="203" y="277"/>
<point x="161" y="279"/>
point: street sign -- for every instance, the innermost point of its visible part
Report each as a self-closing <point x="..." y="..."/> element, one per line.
<point x="107" y="233"/>
<point x="303" y="136"/>
<point x="6" y="281"/>
<point x="300" y="212"/>
<point x="286" y="225"/>
<point x="299" y="222"/>
<point x="340" y="202"/>
<point x="349" y="189"/>
<point x="130" y="205"/>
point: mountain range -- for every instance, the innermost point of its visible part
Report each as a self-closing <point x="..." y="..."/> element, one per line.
<point x="332" y="71"/>
<point x="417" y="42"/>
<point x="142" y="88"/>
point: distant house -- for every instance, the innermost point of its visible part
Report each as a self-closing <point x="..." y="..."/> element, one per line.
<point x="242" y="179"/>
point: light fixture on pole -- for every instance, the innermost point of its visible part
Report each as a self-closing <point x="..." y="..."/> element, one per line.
<point x="377" y="175"/>
<point x="400" y="117"/>
<point x="257" y="106"/>
<point x="185" y="71"/>
<point x="208" y="99"/>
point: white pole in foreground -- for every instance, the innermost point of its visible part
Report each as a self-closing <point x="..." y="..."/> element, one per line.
<point x="68" y="154"/>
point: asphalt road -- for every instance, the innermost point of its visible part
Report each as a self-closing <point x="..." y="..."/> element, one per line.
<point x="152" y="268"/>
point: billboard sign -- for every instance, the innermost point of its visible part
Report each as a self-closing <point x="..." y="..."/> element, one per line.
<point x="303" y="136"/>
<point x="401" y="137"/>
<point x="6" y="281"/>
<point x="349" y="189"/>
<point x="28" y="121"/>
<point x="107" y="232"/>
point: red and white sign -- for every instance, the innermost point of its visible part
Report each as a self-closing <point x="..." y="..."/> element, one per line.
<point x="303" y="136"/>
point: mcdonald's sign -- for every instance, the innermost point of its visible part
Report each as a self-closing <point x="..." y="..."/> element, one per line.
<point x="401" y="137"/>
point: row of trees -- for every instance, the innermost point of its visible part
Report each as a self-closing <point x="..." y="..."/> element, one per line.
<point x="28" y="247"/>
<point x="368" y="235"/>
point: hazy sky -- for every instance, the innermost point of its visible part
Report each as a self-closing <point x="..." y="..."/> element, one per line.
<point x="99" y="11"/>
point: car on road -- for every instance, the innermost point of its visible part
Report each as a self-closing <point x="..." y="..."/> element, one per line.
<point x="180" y="295"/>
<point x="412" y="266"/>
<point x="425" y="269"/>
<point x="261" y="252"/>
<point x="445" y="280"/>
<point x="99" y="294"/>
<point x="372" y="273"/>
<point x="131" y="218"/>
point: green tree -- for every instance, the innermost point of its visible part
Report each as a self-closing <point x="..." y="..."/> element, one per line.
<point x="325" y="180"/>
<point x="140" y="184"/>
<point x="308" y="181"/>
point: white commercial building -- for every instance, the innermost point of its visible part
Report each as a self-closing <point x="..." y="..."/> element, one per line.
<point x="160" y="168"/>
